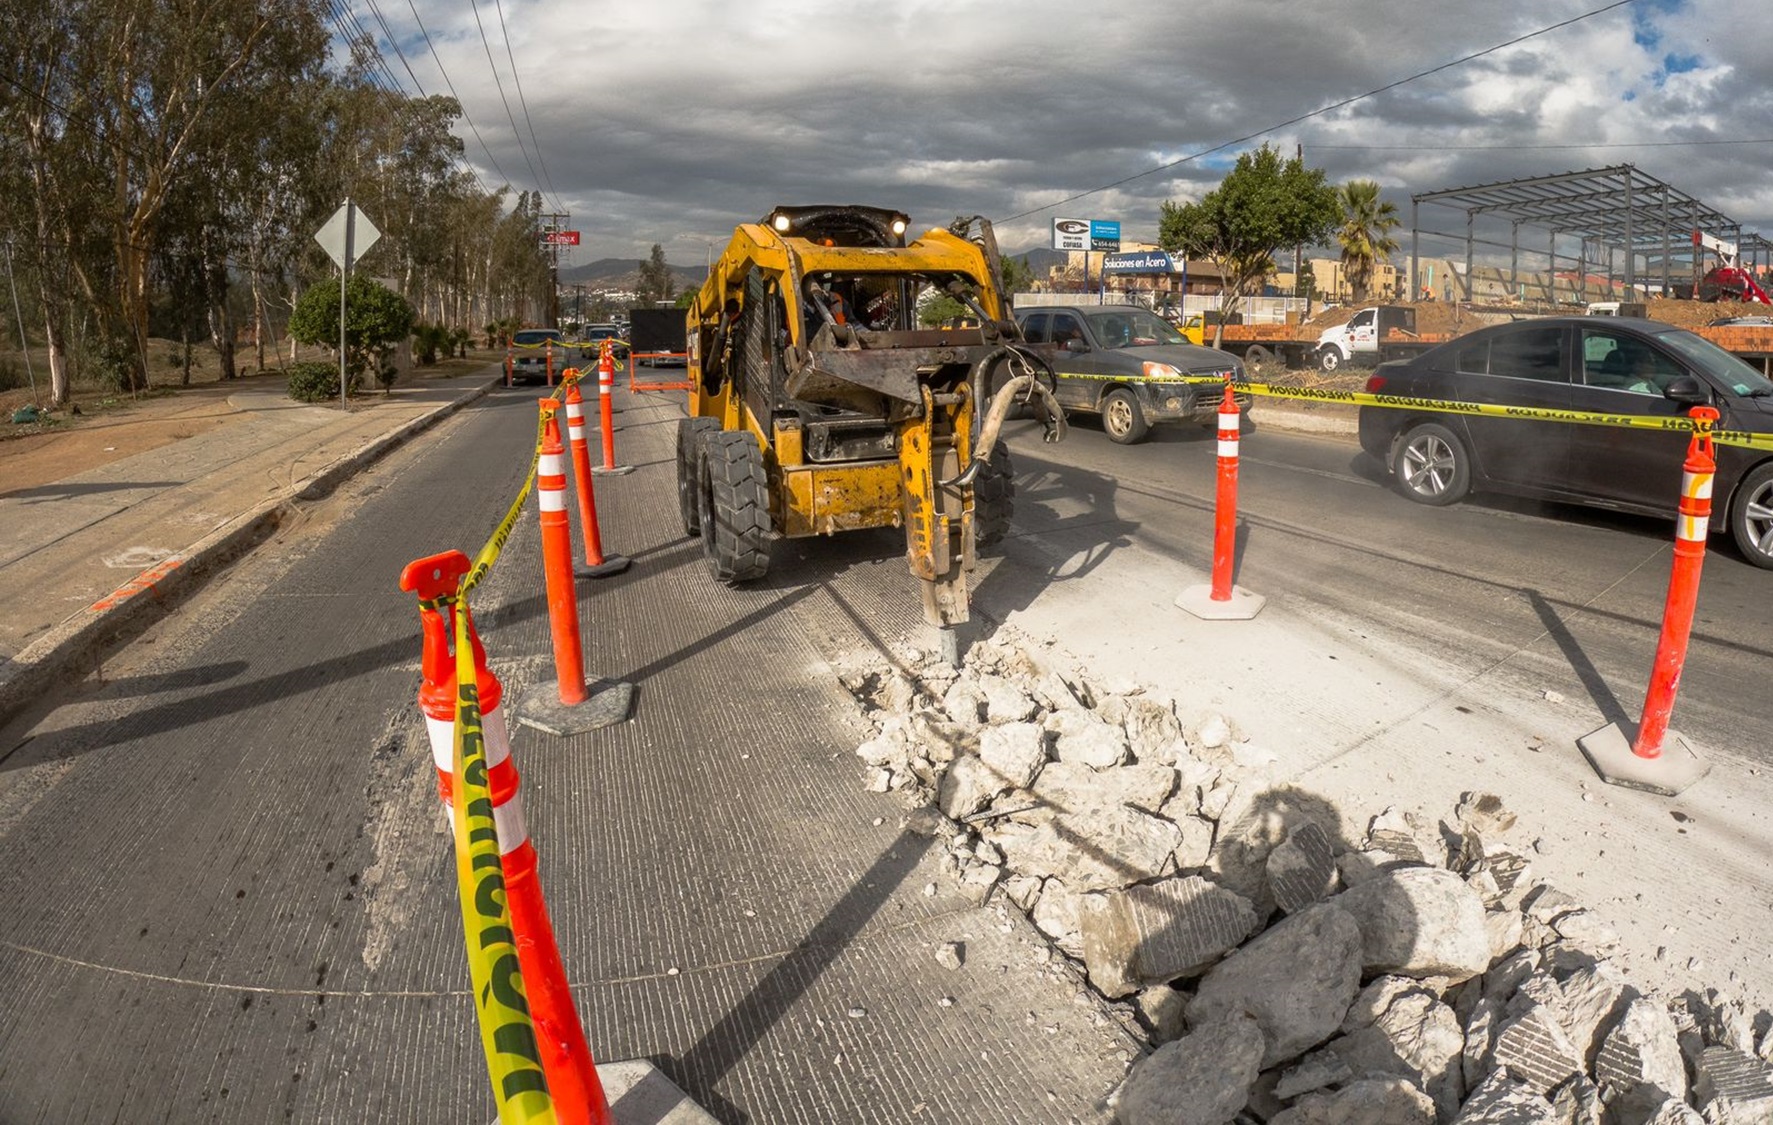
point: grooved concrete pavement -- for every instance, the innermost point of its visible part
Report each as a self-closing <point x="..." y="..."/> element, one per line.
<point x="226" y="892"/>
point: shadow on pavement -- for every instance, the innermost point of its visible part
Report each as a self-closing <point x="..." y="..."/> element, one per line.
<point x="723" y="1045"/>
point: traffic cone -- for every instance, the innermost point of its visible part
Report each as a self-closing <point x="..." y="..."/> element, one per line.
<point x="573" y="706"/>
<point x="597" y="564"/>
<point x="1221" y="601"/>
<point x="566" y="1057"/>
<point x="606" y="387"/>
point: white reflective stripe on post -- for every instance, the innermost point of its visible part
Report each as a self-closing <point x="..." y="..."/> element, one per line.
<point x="508" y="819"/>
<point x="1228" y="448"/>
<point x="1227" y="424"/>
<point x="442" y="733"/>
<point x="551" y="499"/>
<point x="575" y="432"/>
<point x="1690" y="529"/>
<point x="574" y="411"/>
<point x="1696" y="486"/>
<point x="551" y="465"/>
<point x="497" y="736"/>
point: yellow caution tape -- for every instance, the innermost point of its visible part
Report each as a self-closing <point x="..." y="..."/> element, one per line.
<point x="507" y="1035"/>
<point x="489" y="554"/>
<point x="1683" y="425"/>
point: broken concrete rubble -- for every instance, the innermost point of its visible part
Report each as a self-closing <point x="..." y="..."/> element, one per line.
<point x="1290" y="969"/>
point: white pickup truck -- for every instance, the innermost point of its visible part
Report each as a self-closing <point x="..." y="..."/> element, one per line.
<point x="1358" y="340"/>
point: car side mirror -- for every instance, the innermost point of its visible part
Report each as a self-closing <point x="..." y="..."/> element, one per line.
<point x="1075" y="344"/>
<point x="1687" y="391"/>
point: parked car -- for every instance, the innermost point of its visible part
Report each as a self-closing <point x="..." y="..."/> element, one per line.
<point x="1620" y="366"/>
<point x="1128" y="364"/>
<point x="596" y="334"/>
<point x="530" y="354"/>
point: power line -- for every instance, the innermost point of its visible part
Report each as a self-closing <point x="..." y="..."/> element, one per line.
<point x="499" y="84"/>
<point x="524" y="104"/>
<point x="1321" y="111"/>
<point x="1494" y="148"/>
<point x="394" y="42"/>
<point x="451" y="86"/>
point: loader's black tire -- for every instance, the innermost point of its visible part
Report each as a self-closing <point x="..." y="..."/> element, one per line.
<point x="690" y="432"/>
<point x="994" y="499"/>
<point x="734" y="507"/>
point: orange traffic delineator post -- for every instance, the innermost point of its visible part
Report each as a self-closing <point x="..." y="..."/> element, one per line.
<point x="1637" y="760"/>
<point x="1221" y="600"/>
<point x="548" y="360"/>
<point x="606" y="388"/>
<point x="567" y="1062"/>
<point x="597" y="564"/>
<point x="573" y="705"/>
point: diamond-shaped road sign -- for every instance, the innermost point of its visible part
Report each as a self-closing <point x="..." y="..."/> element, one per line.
<point x="332" y="236"/>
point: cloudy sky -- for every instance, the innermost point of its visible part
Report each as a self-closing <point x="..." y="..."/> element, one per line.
<point x="669" y="121"/>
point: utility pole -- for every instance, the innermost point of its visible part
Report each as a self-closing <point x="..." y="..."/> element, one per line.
<point x="556" y="222"/>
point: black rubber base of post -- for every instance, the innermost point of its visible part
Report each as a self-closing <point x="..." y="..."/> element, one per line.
<point x="611" y="565"/>
<point x="608" y="702"/>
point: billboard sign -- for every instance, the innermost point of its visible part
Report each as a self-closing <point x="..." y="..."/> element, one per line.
<point x="1105" y="234"/>
<point x="1071" y="234"/>
<point x="1140" y="261"/>
<point x="560" y="238"/>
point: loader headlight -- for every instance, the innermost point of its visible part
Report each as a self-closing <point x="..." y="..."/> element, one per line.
<point x="898" y="226"/>
<point x="782" y="223"/>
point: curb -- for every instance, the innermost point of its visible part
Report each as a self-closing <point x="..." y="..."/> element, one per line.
<point x="1305" y="417"/>
<point x="74" y="644"/>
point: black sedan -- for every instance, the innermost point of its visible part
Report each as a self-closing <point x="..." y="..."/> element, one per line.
<point x="1603" y="365"/>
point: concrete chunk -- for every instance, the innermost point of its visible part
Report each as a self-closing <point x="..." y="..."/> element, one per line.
<point x="1203" y="1077"/>
<point x="1298" y="978"/>
<point x="1157" y="932"/>
<point x="1301" y="869"/>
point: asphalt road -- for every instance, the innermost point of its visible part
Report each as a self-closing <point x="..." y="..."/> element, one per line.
<point x="1562" y="598"/>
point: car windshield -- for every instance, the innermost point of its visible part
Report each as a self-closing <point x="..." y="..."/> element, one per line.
<point x="1730" y="370"/>
<point x="602" y="331"/>
<point x="533" y="336"/>
<point x="1131" y="328"/>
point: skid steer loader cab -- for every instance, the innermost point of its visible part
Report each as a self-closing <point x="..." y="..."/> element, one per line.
<point x="819" y="405"/>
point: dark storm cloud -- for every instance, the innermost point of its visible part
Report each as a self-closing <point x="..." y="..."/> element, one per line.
<point x="669" y="122"/>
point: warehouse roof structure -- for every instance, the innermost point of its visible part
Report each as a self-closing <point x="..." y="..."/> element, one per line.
<point x="1630" y="226"/>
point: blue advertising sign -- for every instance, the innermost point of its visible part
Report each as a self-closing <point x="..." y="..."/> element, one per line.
<point x="1104" y="234"/>
<point x="1141" y="261"/>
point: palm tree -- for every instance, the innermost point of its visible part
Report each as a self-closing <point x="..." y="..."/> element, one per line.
<point x="1365" y="237"/>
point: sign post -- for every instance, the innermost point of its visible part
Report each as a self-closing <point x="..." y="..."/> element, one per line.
<point x="339" y="238"/>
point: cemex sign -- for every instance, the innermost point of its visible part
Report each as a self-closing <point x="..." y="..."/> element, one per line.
<point x="560" y="238"/>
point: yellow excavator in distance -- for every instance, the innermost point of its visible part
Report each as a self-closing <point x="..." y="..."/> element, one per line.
<point x="819" y="404"/>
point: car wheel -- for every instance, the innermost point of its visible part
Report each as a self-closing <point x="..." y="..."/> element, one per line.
<point x="1431" y="465"/>
<point x="690" y="432"/>
<point x="1329" y="359"/>
<point x="1751" y="516"/>
<point x="1256" y="359"/>
<point x="734" y="507"/>
<point x="1122" y="419"/>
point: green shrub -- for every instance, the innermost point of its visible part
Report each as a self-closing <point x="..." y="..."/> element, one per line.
<point x="430" y="339"/>
<point x="314" y="381"/>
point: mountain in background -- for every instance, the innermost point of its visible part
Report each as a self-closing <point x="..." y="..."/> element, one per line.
<point x="624" y="273"/>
